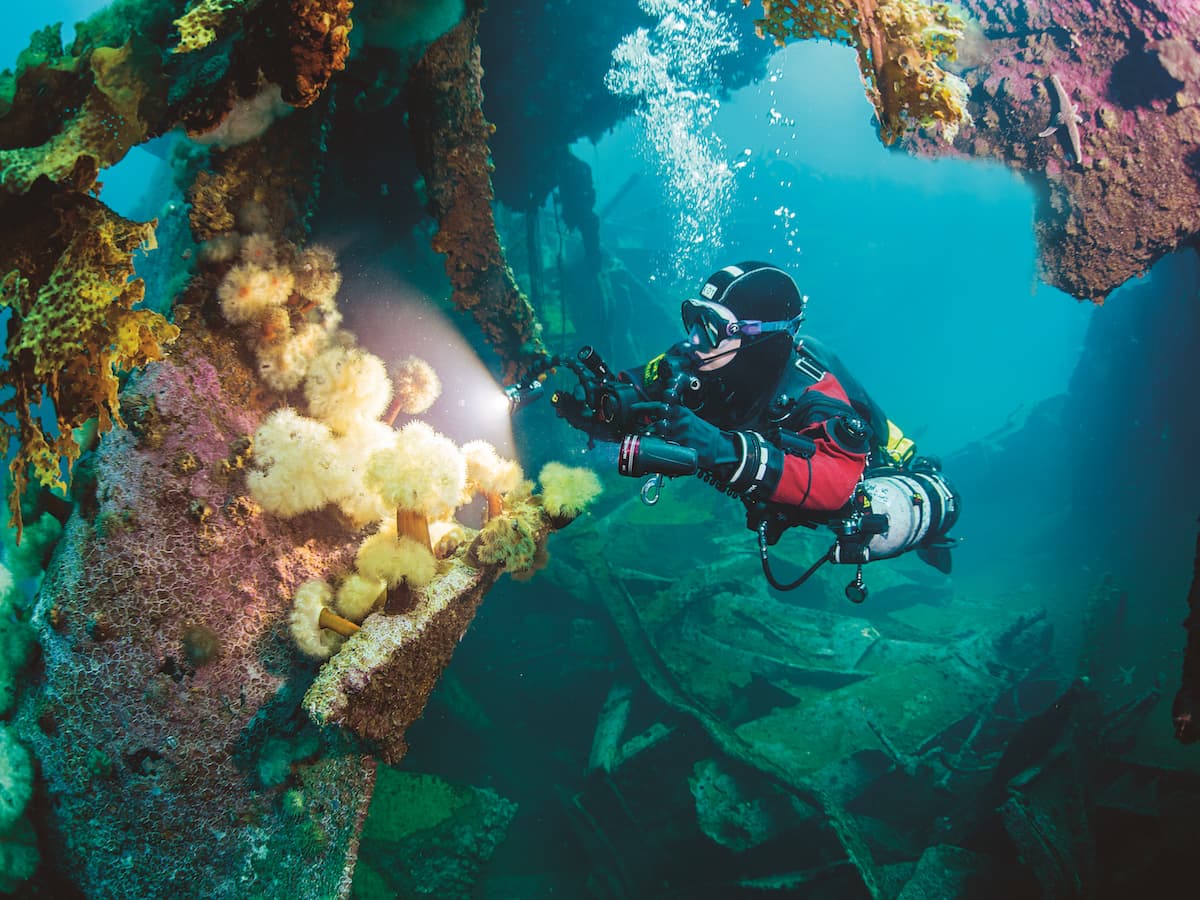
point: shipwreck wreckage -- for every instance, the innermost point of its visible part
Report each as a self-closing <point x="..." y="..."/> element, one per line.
<point x="164" y="691"/>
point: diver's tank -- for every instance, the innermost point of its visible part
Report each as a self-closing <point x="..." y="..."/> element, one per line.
<point x="920" y="506"/>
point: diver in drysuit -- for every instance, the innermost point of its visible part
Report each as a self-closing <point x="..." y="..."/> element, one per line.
<point x="773" y="419"/>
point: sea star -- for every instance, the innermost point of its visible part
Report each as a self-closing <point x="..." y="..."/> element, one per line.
<point x="1124" y="675"/>
<point x="1068" y="115"/>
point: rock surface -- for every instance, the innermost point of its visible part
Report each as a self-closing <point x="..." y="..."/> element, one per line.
<point x="1126" y="193"/>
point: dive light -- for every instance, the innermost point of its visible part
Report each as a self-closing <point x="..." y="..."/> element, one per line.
<point x="521" y="395"/>
<point x="642" y="454"/>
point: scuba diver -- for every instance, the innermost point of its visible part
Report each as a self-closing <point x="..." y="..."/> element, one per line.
<point x="769" y="418"/>
<point x="774" y="420"/>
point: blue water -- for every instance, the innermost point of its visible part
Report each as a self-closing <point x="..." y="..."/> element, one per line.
<point x="22" y="19"/>
<point x="920" y="272"/>
<point x="125" y="184"/>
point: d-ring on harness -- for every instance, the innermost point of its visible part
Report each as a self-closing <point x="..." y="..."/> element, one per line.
<point x="652" y="489"/>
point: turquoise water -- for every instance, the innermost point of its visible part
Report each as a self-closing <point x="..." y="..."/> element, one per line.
<point x="921" y="272"/>
<point x="641" y="716"/>
<point x="125" y="184"/>
<point x="24" y="19"/>
<point x="855" y="223"/>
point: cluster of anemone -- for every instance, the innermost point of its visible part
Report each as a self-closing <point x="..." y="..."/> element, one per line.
<point x="401" y="487"/>
<point x="511" y="538"/>
<point x="281" y="298"/>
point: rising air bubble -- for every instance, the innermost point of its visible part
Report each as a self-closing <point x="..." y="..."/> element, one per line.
<point x="668" y="69"/>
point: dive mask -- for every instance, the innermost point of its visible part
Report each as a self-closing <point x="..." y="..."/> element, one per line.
<point x="708" y="324"/>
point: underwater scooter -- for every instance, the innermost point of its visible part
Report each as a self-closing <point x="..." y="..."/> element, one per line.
<point x="894" y="509"/>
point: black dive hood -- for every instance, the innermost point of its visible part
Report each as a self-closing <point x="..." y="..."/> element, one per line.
<point x="766" y="309"/>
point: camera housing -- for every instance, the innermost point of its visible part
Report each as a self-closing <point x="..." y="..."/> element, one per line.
<point x="614" y="404"/>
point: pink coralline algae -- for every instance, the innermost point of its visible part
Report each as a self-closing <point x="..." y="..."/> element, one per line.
<point x="167" y="722"/>
<point x="1118" y="81"/>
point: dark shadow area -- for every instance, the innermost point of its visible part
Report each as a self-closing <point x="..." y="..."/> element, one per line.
<point x="1139" y="79"/>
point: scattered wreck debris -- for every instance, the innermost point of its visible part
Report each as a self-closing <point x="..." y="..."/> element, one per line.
<point x="771" y="727"/>
<point x="1185" y="712"/>
<point x="425" y="837"/>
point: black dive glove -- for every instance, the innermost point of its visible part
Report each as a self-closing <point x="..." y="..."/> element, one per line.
<point x="583" y="418"/>
<point x="715" y="449"/>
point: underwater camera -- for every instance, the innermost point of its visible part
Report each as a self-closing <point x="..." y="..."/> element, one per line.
<point x="604" y="405"/>
<point x="620" y="406"/>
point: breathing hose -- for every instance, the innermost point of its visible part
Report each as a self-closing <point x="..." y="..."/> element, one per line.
<point x="766" y="563"/>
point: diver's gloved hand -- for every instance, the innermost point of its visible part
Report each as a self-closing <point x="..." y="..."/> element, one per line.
<point x="571" y="408"/>
<point x="582" y="417"/>
<point x="714" y="448"/>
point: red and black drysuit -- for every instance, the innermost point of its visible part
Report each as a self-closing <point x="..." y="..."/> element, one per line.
<point x="799" y="445"/>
